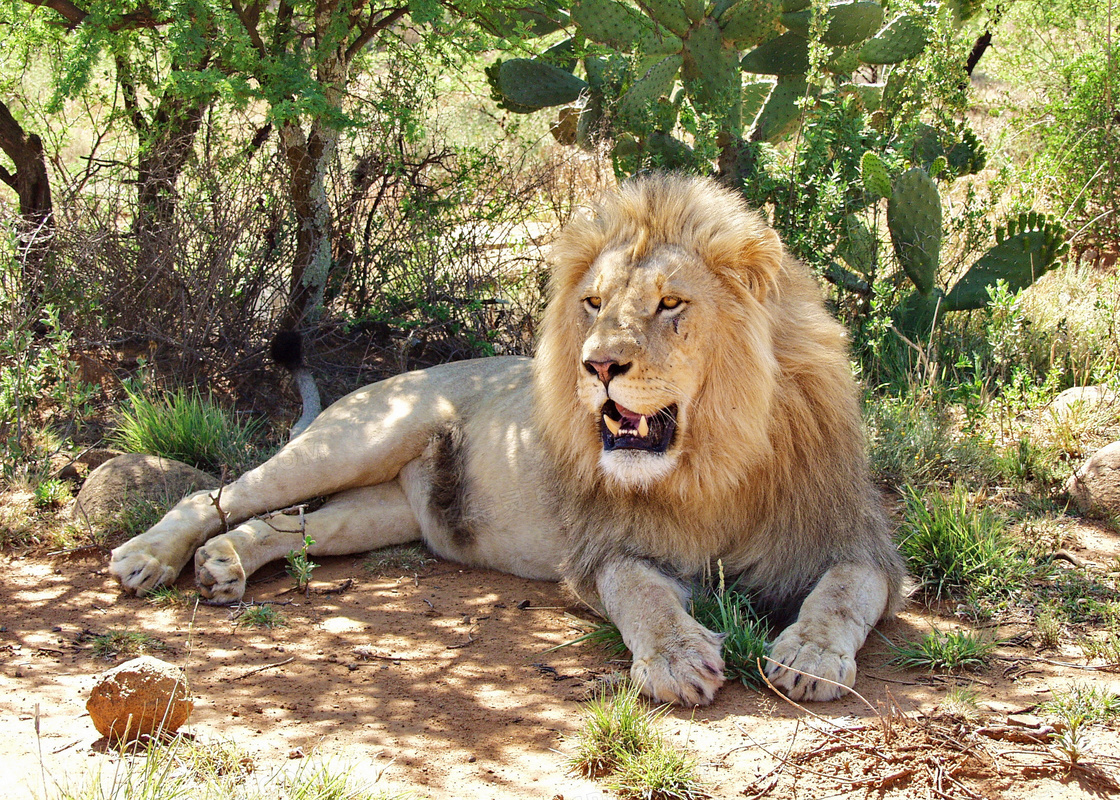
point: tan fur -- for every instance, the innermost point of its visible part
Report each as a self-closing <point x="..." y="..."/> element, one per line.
<point x="500" y="462"/>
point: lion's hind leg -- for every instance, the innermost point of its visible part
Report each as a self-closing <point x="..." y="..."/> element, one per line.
<point x="353" y="521"/>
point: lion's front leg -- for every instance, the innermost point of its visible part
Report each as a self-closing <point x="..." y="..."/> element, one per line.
<point x="676" y="659"/>
<point x="157" y="556"/>
<point x="830" y="629"/>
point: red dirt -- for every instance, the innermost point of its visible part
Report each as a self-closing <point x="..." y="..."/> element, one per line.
<point x="454" y="694"/>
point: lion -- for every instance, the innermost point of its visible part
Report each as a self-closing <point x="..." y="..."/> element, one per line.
<point x="690" y="407"/>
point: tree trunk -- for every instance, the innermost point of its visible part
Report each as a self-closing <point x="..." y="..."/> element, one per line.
<point x="165" y="145"/>
<point x="309" y="156"/>
<point x="32" y="185"/>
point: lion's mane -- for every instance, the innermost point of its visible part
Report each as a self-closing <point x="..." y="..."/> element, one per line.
<point x="772" y="477"/>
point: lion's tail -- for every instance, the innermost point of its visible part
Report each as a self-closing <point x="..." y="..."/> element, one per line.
<point x="287" y="351"/>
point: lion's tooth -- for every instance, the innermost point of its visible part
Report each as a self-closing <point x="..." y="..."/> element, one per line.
<point x="612" y="426"/>
<point x="643" y="427"/>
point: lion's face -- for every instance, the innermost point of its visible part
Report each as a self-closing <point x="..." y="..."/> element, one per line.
<point x="655" y="366"/>
<point x="643" y="327"/>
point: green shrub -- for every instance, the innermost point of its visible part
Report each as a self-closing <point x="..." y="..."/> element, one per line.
<point x="184" y="426"/>
<point x="955" y="545"/>
<point x="956" y="650"/>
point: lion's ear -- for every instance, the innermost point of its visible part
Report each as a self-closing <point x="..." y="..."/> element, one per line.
<point x="757" y="262"/>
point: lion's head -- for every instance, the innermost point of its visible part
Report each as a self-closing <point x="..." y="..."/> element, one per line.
<point x="656" y="363"/>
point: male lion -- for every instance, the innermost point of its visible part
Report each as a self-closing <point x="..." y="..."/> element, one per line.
<point x="691" y="402"/>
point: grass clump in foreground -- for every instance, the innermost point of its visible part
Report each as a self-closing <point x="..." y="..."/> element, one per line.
<point x="1082" y="702"/>
<point x="937" y="651"/>
<point x="125" y="644"/>
<point x="955" y="545"/>
<point x="620" y="742"/>
<point x="184" y="426"/>
<point x="261" y="617"/>
<point x="187" y="767"/>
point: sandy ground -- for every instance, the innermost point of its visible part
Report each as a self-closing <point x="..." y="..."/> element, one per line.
<point x="453" y="692"/>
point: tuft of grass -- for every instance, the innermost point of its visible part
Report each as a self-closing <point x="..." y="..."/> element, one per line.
<point x="657" y="773"/>
<point x="1082" y="702"/>
<point x="937" y="651"/>
<point x="1047" y="628"/>
<point x="125" y="644"/>
<point x="615" y="725"/>
<point x="166" y="596"/>
<point x="619" y="740"/>
<point x="962" y="702"/>
<point x="955" y="545"/>
<point x="184" y="426"/>
<point x="1106" y="649"/>
<point x="188" y="767"/>
<point x="400" y="558"/>
<point x="52" y="493"/>
<point x="261" y="617"/>
<point x="911" y="442"/>
<point x="747" y="636"/>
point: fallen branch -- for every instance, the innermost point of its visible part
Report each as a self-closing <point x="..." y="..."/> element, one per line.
<point x="266" y="666"/>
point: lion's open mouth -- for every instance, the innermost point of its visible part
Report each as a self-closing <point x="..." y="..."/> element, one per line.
<point x="622" y="429"/>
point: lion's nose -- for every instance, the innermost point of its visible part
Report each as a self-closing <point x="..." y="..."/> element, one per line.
<point x="606" y="369"/>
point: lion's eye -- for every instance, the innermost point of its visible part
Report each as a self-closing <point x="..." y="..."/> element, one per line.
<point x="593" y="302"/>
<point x="669" y="302"/>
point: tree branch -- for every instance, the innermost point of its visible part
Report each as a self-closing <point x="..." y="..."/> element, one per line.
<point x="249" y="19"/>
<point x="372" y="30"/>
<point x="72" y="13"/>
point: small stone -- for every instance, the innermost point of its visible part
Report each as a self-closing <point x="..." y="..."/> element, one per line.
<point x="1024" y="720"/>
<point x="139" y="698"/>
<point x="1095" y="486"/>
<point x="297" y="753"/>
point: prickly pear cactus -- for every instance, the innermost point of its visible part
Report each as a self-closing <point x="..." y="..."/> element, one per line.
<point x="696" y="51"/>
<point x="914" y="220"/>
<point x="1026" y="248"/>
<point x="522" y="84"/>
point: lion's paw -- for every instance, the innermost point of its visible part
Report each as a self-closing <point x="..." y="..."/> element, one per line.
<point x="795" y="653"/>
<point x="139" y="569"/>
<point x="686" y="672"/>
<point x="218" y="572"/>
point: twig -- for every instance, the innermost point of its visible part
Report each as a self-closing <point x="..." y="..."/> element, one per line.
<point x="216" y="499"/>
<point x="1101" y="668"/>
<point x="266" y="666"/>
<point x="778" y="692"/>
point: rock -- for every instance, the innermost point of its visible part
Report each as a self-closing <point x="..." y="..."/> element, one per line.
<point x="1095" y="486"/>
<point x="139" y="698"/>
<point x="1085" y="398"/>
<point x="133" y="477"/>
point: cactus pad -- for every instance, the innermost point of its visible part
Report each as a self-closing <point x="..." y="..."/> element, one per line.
<point x="914" y="220"/>
<point x="787" y="54"/>
<point x="847" y="22"/>
<point x="1026" y="248"/>
<point x="750" y="22"/>
<point x="610" y="22"/>
<point x="636" y="104"/>
<point x="780" y="115"/>
<point x="711" y="68"/>
<point x="968" y="156"/>
<point x="524" y="85"/>
<point x="904" y="38"/>
<point x="669" y="13"/>
<point x="795" y="5"/>
<point x="876" y="179"/>
<point x="754" y="98"/>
